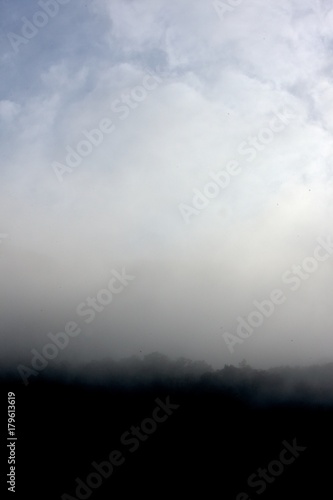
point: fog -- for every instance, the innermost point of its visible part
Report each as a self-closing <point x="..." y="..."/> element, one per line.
<point x="169" y="98"/>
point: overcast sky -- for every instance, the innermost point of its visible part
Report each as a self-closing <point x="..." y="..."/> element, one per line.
<point x="166" y="96"/>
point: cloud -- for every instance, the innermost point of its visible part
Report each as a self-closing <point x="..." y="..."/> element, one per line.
<point x="9" y="110"/>
<point x="220" y="83"/>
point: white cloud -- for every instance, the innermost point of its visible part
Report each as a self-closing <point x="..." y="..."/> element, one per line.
<point x="222" y="81"/>
<point x="9" y="110"/>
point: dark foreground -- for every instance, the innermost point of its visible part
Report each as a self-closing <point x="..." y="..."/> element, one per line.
<point x="241" y="436"/>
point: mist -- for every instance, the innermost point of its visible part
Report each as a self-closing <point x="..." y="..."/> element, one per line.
<point x="186" y="149"/>
<point x="166" y="248"/>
